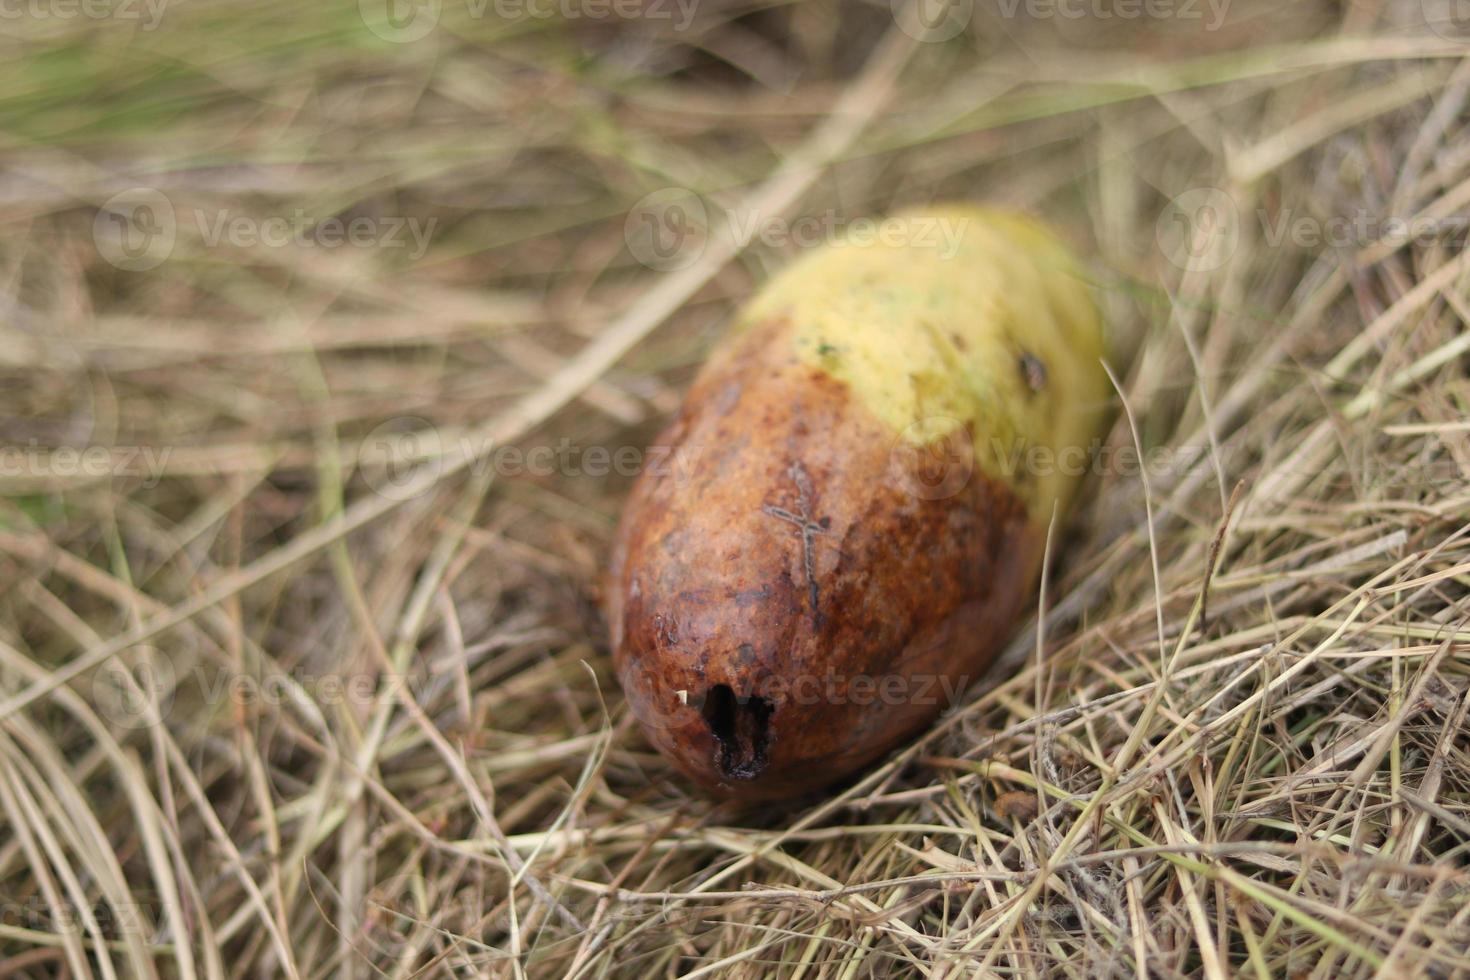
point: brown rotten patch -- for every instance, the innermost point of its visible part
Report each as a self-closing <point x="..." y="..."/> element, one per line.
<point x="791" y="603"/>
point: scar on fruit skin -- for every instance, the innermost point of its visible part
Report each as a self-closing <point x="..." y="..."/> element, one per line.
<point x="802" y="520"/>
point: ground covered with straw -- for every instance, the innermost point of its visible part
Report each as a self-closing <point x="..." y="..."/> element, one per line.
<point x="301" y="666"/>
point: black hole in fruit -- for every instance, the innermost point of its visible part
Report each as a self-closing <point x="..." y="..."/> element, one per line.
<point x="741" y="727"/>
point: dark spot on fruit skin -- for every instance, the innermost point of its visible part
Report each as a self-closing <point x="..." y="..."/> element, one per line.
<point x="909" y="587"/>
<point x="1033" y="370"/>
<point x="751" y="597"/>
<point x="668" y="633"/>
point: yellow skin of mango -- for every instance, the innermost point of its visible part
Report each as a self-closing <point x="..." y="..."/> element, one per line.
<point x="945" y="343"/>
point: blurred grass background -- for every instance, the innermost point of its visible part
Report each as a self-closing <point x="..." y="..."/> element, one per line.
<point x="301" y="672"/>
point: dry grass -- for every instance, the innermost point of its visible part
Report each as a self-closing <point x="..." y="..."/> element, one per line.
<point x="271" y="707"/>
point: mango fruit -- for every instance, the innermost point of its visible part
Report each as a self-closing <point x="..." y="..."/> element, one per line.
<point x="866" y="468"/>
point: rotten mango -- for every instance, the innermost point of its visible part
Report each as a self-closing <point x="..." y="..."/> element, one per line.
<point x="857" y="519"/>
